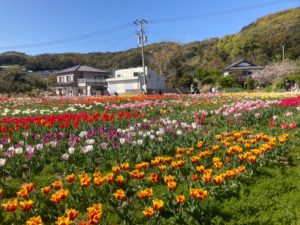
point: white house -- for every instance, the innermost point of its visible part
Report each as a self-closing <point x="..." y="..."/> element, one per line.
<point x="132" y="81"/>
<point x="81" y="80"/>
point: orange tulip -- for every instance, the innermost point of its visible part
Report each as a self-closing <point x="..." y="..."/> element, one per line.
<point x="26" y="205"/>
<point x="63" y="221"/>
<point x="147" y="193"/>
<point x="163" y="167"/>
<point x="120" y="180"/>
<point x="252" y="158"/>
<point x="35" y="221"/>
<point x="180" y="151"/>
<point x="200" y="169"/>
<point x="171" y="185"/>
<point x="195" y="159"/>
<point x="11" y="205"/>
<point x="216" y="147"/>
<point x="72" y="214"/>
<point x="153" y="177"/>
<point x="110" y="178"/>
<point x="1" y="192"/>
<point x="46" y="190"/>
<point x="158" y="204"/>
<point x="94" y="214"/>
<point x="180" y="199"/>
<point x="148" y="212"/>
<point x="57" y="184"/>
<point x="195" y="177"/>
<point x="98" y="181"/>
<point x="70" y="178"/>
<point x="23" y="193"/>
<point x="169" y="178"/>
<point x="125" y="166"/>
<point x="198" y="193"/>
<point x="84" y="223"/>
<point x="116" y="169"/>
<point x="218" y="179"/>
<point x="120" y="194"/>
<point x="85" y="181"/>
<point x="199" y="144"/>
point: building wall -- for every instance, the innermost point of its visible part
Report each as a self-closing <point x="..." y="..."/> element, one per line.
<point x="153" y="79"/>
<point x="73" y="78"/>
<point x="123" y="86"/>
<point x="64" y="78"/>
<point x="127" y="73"/>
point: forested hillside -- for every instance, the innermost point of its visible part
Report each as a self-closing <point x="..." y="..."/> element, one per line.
<point x="260" y="42"/>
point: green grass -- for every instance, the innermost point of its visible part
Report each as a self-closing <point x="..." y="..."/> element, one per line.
<point x="272" y="197"/>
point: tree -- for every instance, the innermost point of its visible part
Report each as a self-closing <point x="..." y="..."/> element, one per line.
<point x="186" y="80"/>
<point x="209" y="76"/>
<point x="274" y="72"/>
<point x="161" y="58"/>
<point x="228" y="81"/>
<point x="13" y="80"/>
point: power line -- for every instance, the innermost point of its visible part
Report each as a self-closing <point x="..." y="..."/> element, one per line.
<point x="217" y="13"/>
<point x="127" y="25"/>
<point x="70" y="39"/>
<point x="119" y="41"/>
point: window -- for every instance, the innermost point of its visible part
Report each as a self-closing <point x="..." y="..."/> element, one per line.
<point x="98" y="77"/>
<point x="136" y="74"/>
<point x="246" y="73"/>
<point x="61" y="79"/>
<point x="69" y="78"/>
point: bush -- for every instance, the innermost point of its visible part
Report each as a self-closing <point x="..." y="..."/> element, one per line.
<point x="294" y="77"/>
<point x="250" y="83"/>
<point x="228" y="81"/>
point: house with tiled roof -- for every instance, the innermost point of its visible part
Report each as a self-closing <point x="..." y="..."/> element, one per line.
<point x="243" y="66"/>
<point x="81" y="80"/>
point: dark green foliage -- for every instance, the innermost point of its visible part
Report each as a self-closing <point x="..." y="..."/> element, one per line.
<point x="250" y="83"/>
<point x="294" y="77"/>
<point x="186" y="80"/>
<point x="16" y="80"/>
<point x="228" y="81"/>
<point x="209" y="76"/>
<point x="13" y="80"/>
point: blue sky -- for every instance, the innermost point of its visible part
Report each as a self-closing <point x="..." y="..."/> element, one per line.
<point x="24" y="22"/>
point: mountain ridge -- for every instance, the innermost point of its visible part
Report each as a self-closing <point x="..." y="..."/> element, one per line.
<point x="260" y="42"/>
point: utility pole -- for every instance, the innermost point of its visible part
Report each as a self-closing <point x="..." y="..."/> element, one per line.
<point x="142" y="40"/>
<point x="282" y="52"/>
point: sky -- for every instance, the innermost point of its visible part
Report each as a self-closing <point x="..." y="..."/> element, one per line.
<point x="58" y="26"/>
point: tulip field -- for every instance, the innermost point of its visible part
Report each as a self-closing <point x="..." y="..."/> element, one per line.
<point x="225" y="158"/>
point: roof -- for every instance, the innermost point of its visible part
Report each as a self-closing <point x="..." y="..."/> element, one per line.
<point x="243" y="64"/>
<point x="81" y="68"/>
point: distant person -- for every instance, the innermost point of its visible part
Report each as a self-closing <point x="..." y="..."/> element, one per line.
<point x="116" y="93"/>
<point x="192" y="88"/>
<point x="196" y="90"/>
<point x="287" y="85"/>
<point x="160" y="92"/>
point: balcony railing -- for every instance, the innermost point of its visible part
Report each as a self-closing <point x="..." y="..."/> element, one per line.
<point x="86" y="80"/>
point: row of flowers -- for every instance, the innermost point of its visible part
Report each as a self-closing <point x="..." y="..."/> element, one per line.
<point x="176" y="184"/>
<point x="97" y="143"/>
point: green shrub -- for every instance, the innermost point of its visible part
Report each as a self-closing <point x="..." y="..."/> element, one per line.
<point x="228" y="81"/>
<point x="250" y="83"/>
